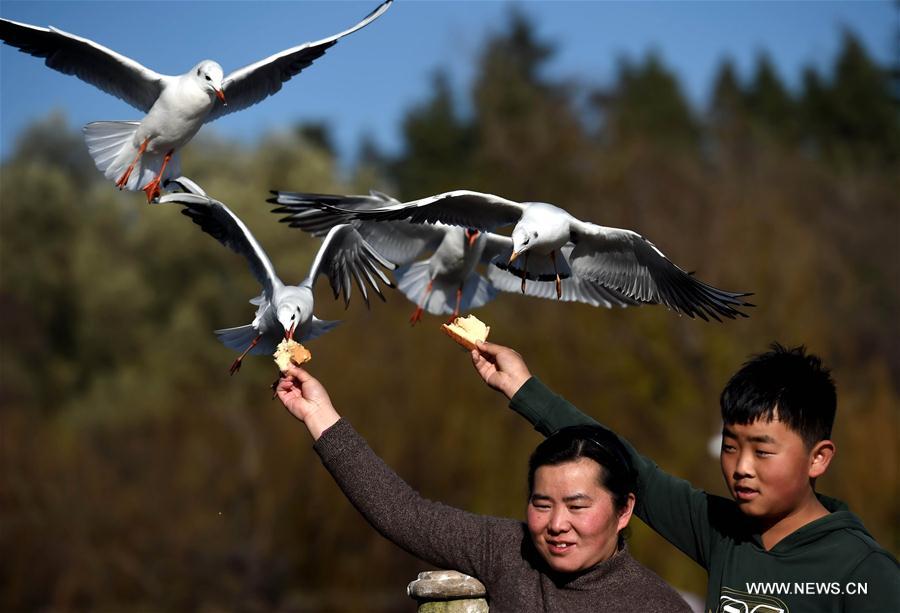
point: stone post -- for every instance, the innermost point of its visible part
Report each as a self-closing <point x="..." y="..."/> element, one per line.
<point x="448" y="591"/>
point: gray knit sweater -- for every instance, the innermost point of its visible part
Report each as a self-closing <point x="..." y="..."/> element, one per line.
<point x="497" y="551"/>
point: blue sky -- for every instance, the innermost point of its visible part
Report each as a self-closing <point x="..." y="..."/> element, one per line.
<point x="367" y="81"/>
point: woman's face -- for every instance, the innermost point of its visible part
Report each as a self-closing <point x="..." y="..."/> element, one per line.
<point x="571" y="517"/>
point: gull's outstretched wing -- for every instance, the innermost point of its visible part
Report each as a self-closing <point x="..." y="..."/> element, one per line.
<point x="543" y="285"/>
<point x="398" y="241"/>
<point x="251" y="84"/>
<point x="574" y="289"/>
<point x="628" y="263"/>
<point x="222" y="224"/>
<point x="345" y="256"/>
<point x="185" y="184"/>
<point x="91" y="62"/>
<point x="464" y="208"/>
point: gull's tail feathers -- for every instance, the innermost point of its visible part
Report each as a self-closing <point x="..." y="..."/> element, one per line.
<point x="317" y="327"/>
<point x="413" y="281"/>
<point x="111" y="145"/>
<point x="239" y="339"/>
<point x="477" y="292"/>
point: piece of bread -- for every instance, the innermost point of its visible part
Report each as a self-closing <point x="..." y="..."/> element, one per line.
<point x="466" y="331"/>
<point x="289" y="351"/>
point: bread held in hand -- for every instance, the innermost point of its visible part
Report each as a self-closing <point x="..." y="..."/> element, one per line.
<point x="289" y="351"/>
<point x="467" y="331"/>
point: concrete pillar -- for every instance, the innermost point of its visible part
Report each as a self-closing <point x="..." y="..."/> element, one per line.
<point x="448" y="591"/>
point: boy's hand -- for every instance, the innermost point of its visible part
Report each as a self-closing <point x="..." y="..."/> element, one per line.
<point x="500" y="367"/>
<point x="307" y="400"/>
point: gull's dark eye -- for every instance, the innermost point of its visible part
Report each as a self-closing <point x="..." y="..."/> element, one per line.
<point x="534" y="235"/>
<point x="207" y="78"/>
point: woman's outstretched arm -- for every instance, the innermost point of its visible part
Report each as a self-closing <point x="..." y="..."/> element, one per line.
<point x="437" y="533"/>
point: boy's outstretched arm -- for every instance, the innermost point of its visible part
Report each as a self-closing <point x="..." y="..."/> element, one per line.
<point x="671" y="506"/>
<point x="504" y="370"/>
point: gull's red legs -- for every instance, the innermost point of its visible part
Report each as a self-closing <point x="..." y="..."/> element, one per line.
<point x="236" y="365"/>
<point x="417" y="314"/>
<point x="558" y="280"/>
<point x="458" y="300"/>
<point x="525" y="271"/>
<point x="123" y="180"/>
<point x="152" y="188"/>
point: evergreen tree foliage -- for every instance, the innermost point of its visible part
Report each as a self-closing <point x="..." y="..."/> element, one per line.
<point x="318" y="134"/>
<point x="528" y="135"/>
<point x="727" y="99"/>
<point x="769" y="103"/>
<point x="865" y="118"/>
<point x="438" y="145"/>
<point x="729" y="132"/>
<point x="647" y="105"/>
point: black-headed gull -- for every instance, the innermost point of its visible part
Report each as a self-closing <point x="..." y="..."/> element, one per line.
<point x="620" y="260"/>
<point x="446" y="282"/>
<point x="283" y="311"/>
<point x="141" y="154"/>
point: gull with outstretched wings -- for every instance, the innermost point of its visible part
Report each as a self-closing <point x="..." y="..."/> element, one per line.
<point x="141" y="154"/>
<point x="446" y="281"/>
<point x="283" y="311"/>
<point x="564" y="246"/>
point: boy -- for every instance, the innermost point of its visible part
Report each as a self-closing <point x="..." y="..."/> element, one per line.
<point x="777" y="546"/>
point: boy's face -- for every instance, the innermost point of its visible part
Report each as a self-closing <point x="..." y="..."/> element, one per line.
<point x="767" y="468"/>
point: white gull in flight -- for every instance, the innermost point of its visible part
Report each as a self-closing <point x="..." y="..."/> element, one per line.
<point x="141" y="154"/>
<point x="446" y="282"/>
<point x="283" y="311"/>
<point x="618" y="259"/>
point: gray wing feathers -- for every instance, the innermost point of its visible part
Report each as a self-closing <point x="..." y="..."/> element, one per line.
<point x="218" y="221"/>
<point x="347" y="258"/>
<point x="574" y="289"/>
<point x="91" y="62"/>
<point x="251" y="84"/>
<point x="398" y="241"/>
<point x="628" y="263"/>
<point x="457" y="208"/>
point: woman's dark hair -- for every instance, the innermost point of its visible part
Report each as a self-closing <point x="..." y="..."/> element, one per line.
<point x="617" y="475"/>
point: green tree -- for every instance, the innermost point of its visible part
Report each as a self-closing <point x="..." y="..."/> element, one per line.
<point x="438" y="145"/>
<point x="729" y="124"/>
<point x="865" y="118"/>
<point x="530" y="141"/>
<point x="769" y="103"/>
<point x="646" y="105"/>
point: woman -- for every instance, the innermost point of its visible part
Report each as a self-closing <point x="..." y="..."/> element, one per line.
<point x="568" y="556"/>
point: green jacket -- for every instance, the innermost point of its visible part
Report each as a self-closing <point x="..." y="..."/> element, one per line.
<point x="831" y="564"/>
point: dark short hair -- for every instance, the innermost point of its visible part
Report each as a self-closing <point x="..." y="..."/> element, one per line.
<point x="572" y="443"/>
<point x="789" y="384"/>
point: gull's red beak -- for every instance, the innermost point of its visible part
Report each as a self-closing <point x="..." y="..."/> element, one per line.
<point x="221" y="96"/>
<point x="472" y="236"/>
<point x="513" y="256"/>
<point x="289" y="334"/>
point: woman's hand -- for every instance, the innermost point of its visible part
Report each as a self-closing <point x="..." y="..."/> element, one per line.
<point x="500" y="367"/>
<point x="307" y="400"/>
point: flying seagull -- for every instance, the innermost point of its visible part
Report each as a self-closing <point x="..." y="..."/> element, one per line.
<point x="618" y="259"/>
<point x="447" y="280"/>
<point x="141" y="154"/>
<point x="283" y="311"/>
